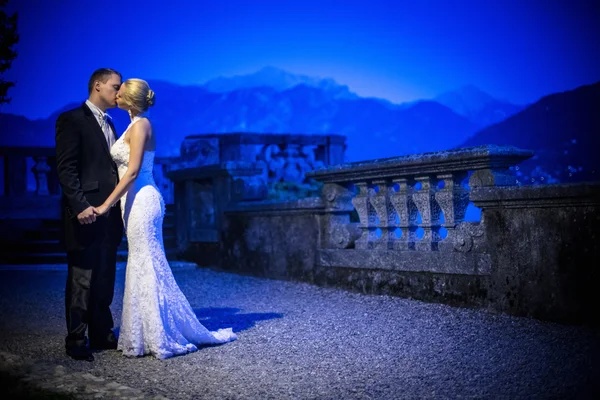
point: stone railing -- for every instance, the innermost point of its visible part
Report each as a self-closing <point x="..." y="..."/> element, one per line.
<point x="396" y="198"/>
<point x="28" y="170"/>
<point x="30" y="186"/>
<point x="396" y="226"/>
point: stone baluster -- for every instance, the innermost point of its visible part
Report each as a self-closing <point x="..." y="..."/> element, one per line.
<point x="453" y="199"/>
<point x="407" y="214"/>
<point x="337" y="232"/>
<point x="366" y="214"/>
<point x="40" y="171"/>
<point x="430" y="214"/>
<point x="387" y="215"/>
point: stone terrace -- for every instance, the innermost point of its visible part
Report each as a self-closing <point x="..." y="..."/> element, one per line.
<point x="298" y="341"/>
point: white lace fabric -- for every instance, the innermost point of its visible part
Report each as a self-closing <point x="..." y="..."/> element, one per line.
<point x="157" y="318"/>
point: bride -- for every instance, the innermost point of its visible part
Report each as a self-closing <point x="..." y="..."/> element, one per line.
<point x="157" y="319"/>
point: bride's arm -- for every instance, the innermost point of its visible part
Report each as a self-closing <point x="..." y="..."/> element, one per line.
<point x="138" y="136"/>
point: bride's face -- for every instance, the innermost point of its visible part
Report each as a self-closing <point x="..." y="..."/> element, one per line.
<point x="120" y="102"/>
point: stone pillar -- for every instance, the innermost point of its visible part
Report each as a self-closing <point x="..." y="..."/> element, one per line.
<point x="387" y="215"/>
<point x="40" y="171"/>
<point x="366" y="214"/>
<point x="337" y="232"/>
<point x="407" y="214"/>
<point x="430" y="214"/>
<point x="453" y="199"/>
<point x="202" y="194"/>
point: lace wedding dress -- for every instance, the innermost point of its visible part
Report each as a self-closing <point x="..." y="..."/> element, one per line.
<point x="157" y="319"/>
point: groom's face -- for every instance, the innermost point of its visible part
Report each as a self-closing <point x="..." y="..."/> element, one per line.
<point x="108" y="90"/>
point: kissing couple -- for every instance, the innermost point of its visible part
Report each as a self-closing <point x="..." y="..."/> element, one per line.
<point x="107" y="187"/>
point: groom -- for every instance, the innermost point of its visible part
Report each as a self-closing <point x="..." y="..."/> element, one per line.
<point x="87" y="176"/>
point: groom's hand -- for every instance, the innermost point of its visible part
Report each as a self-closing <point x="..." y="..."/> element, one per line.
<point x="86" y="216"/>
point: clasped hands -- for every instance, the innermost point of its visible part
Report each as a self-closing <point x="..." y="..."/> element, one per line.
<point x="89" y="215"/>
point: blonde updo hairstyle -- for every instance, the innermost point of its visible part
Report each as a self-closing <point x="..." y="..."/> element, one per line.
<point x="138" y="94"/>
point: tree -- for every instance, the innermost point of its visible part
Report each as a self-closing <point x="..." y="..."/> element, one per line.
<point x="8" y="40"/>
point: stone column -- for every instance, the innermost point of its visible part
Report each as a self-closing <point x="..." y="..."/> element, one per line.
<point x="453" y="200"/>
<point x="366" y="214"/>
<point x="337" y="232"/>
<point x="407" y="214"/>
<point x="387" y="215"/>
<point x="40" y="171"/>
<point x="430" y="214"/>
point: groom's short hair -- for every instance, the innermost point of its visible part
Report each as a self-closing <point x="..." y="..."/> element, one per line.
<point x="102" y="75"/>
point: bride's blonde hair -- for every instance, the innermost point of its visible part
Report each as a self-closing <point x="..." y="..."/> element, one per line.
<point x="138" y="95"/>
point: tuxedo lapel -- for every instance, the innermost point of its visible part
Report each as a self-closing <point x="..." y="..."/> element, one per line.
<point x="91" y="119"/>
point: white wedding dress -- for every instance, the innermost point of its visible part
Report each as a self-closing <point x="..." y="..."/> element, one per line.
<point x="157" y="319"/>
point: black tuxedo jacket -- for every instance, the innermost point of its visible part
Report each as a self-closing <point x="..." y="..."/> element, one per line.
<point x="87" y="175"/>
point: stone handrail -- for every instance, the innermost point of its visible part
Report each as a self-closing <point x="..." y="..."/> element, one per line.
<point x="31" y="171"/>
<point x="393" y="192"/>
<point x="15" y="168"/>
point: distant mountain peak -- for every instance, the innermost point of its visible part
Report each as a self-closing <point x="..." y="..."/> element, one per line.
<point x="275" y="78"/>
<point x="478" y="106"/>
<point x="465" y="100"/>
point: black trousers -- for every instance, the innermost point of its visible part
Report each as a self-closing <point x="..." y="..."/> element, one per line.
<point x="91" y="279"/>
<point x="89" y="293"/>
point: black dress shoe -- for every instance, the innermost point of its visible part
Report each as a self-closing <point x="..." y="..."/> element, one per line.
<point x="106" y="342"/>
<point x="106" y="345"/>
<point x="80" y="353"/>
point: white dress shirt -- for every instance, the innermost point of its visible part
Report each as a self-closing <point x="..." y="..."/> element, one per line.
<point x="102" y="117"/>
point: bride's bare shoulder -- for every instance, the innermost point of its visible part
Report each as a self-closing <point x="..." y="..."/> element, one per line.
<point x="143" y="122"/>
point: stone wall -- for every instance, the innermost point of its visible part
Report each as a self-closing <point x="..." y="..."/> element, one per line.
<point x="537" y="257"/>
<point x="533" y="253"/>
<point x="272" y="240"/>
<point x="545" y="249"/>
<point x="282" y="241"/>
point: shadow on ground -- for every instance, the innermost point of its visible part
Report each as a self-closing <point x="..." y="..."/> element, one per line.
<point x="14" y="387"/>
<point x="217" y="318"/>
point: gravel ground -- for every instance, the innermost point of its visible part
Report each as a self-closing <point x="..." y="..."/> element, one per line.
<point x="298" y="341"/>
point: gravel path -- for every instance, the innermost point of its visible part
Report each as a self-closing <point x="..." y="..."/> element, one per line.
<point x="298" y="341"/>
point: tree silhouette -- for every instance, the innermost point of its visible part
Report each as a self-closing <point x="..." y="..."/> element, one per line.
<point x="8" y="40"/>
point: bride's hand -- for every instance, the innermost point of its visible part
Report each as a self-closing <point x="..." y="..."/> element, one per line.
<point x="101" y="210"/>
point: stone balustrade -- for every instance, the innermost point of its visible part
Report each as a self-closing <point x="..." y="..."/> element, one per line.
<point x="395" y="197"/>
<point x="30" y="187"/>
<point x="28" y="171"/>
<point x="397" y="226"/>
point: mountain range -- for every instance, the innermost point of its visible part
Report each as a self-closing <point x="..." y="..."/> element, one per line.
<point x="563" y="130"/>
<point x="275" y="101"/>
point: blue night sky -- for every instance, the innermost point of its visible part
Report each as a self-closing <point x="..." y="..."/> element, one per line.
<point x="517" y="50"/>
